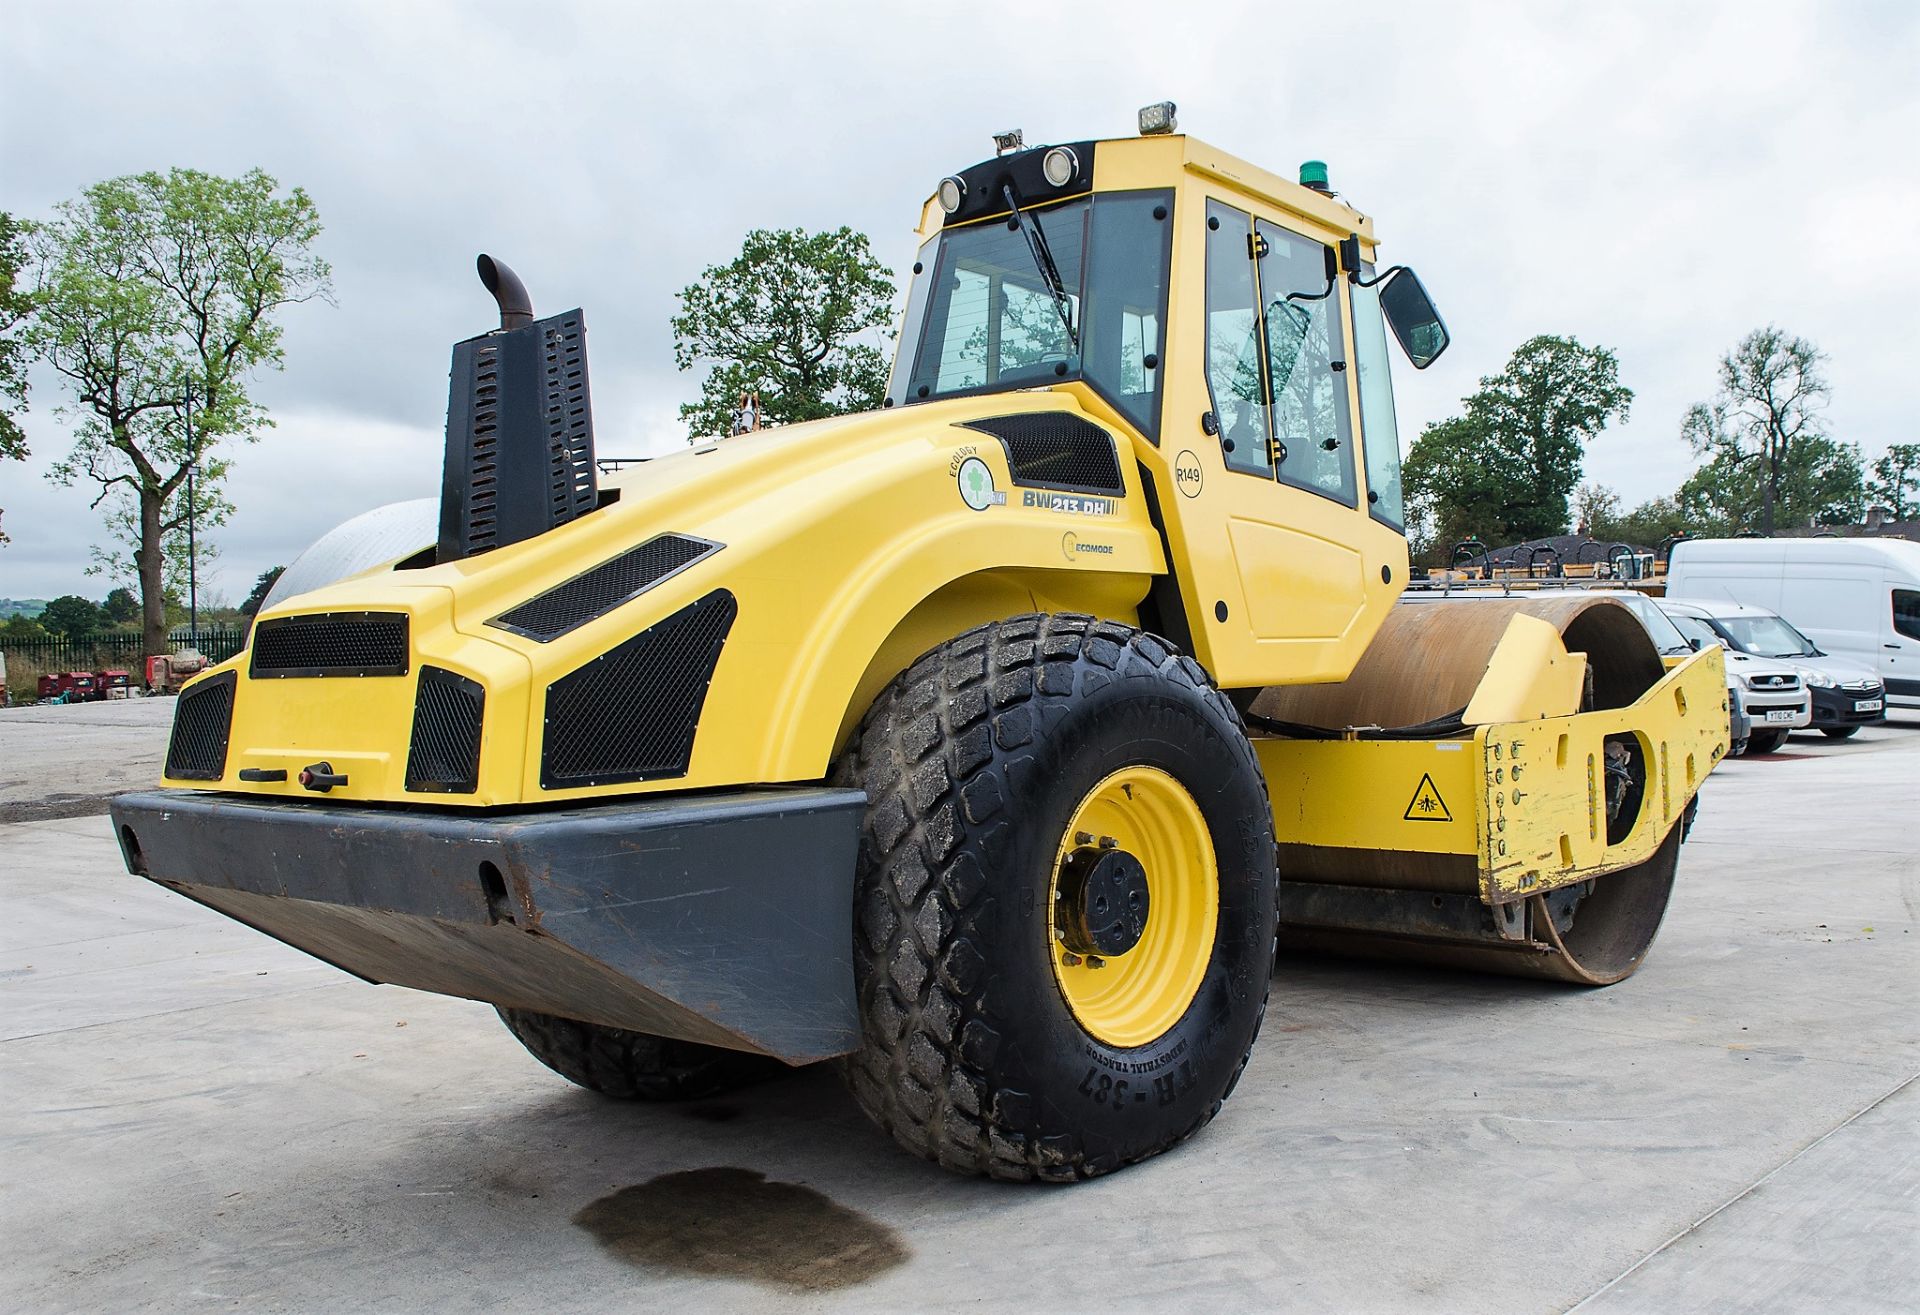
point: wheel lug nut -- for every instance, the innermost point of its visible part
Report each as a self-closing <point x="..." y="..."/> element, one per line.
<point x="1108" y="842"/>
<point x="1095" y="961"/>
<point x="1070" y="959"/>
<point x="1082" y="838"/>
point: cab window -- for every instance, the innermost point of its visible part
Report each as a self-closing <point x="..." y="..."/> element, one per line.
<point x="1906" y="612"/>
<point x="1126" y="287"/>
<point x="1233" y="341"/>
<point x="1379" y="428"/>
<point x="1306" y="364"/>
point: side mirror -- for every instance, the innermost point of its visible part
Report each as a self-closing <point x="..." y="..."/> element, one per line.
<point x="1416" y="324"/>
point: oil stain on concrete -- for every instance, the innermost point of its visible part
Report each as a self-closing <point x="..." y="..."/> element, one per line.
<point x="733" y="1223"/>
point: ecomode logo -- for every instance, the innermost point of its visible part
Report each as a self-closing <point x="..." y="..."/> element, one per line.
<point x="1077" y="548"/>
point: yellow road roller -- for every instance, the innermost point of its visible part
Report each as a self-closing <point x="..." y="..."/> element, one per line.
<point x="987" y="743"/>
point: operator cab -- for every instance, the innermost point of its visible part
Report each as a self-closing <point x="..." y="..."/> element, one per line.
<point x="1214" y="310"/>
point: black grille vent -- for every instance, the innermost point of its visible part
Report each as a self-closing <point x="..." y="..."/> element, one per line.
<point x="202" y="721"/>
<point x="331" y="644"/>
<point x="1054" y="450"/>
<point x="631" y="713"/>
<point x="572" y="476"/>
<point x="444" y="754"/>
<point x="519" y="437"/>
<point x="607" y="586"/>
<point x="483" y="452"/>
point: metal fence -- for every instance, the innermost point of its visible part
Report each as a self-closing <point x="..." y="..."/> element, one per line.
<point x="117" y="649"/>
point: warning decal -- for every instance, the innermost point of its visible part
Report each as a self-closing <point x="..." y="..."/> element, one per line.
<point x="1426" y="804"/>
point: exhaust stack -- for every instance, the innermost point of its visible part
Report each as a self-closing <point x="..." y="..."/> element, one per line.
<point x="516" y="307"/>
<point x="519" y="426"/>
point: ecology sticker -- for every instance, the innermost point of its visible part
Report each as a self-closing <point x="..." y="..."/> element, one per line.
<point x="976" y="485"/>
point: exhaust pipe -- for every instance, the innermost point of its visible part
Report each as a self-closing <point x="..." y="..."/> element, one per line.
<point x="519" y="426"/>
<point x="516" y="307"/>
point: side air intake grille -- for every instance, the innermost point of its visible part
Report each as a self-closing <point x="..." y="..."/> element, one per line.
<point x="331" y="644"/>
<point x="1054" y="450"/>
<point x="444" y="754"/>
<point x="202" y="720"/>
<point x="596" y="592"/>
<point x="631" y="713"/>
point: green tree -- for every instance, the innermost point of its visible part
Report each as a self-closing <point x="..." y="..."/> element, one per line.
<point x="70" y="615"/>
<point x="156" y="303"/>
<point x="14" y="306"/>
<point x="118" y="558"/>
<point x="1896" y="480"/>
<point x="262" y="586"/>
<point x="785" y="320"/>
<point x="1458" y="486"/>
<point x="1770" y="460"/>
<point x="22" y="626"/>
<point x="121" y="607"/>
<point x="1505" y="469"/>
<point x="1816" y="481"/>
<point x="1553" y="398"/>
<point x="1595" y="509"/>
<point x="1648" y="525"/>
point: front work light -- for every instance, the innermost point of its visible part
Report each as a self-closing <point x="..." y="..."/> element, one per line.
<point x="952" y="192"/>
<point x="1156" y="119"/>
<point x="1060" y="165"/>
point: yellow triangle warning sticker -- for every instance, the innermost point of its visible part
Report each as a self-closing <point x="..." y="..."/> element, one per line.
<point x="1426" y="804"/>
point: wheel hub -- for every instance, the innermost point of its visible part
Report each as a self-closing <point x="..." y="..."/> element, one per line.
<point x="1135" y="901"/>
<point x="1102" y="902"/>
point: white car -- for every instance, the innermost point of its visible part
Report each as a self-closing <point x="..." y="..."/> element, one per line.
<point x="1857" y="598"/>
<point x="1772" y="694"/>
<point x="1846" y="695"/>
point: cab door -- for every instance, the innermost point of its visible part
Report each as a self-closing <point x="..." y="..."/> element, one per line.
<point x="1276" y="360"/>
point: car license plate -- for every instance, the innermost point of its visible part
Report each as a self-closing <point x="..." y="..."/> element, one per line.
<point x="1783" y="715"/>
<point x="1868" y="705"/>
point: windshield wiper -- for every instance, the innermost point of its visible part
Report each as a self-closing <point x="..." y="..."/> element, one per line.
<point x="1042" y="254"/>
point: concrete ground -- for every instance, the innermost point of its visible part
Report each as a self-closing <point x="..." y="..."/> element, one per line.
<point x="197" y="1117"/>
<point x="67" y="760"/>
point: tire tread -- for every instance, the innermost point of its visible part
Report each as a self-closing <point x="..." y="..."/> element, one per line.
<point x="939" y="755"/>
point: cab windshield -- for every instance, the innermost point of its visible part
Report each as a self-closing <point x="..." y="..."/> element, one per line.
<point x="1666" y="637"/>
<point x="1767" y="636"/>
<point x="982" y="316"/>
<point x="1697" y="631"/>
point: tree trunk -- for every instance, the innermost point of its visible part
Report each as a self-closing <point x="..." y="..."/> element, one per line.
<point x="153" y="600"/>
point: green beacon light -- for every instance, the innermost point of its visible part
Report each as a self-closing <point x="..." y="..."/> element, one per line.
<point x="1313" y="173"/>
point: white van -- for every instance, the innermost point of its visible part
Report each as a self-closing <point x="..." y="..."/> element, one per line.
<point x="1856" y="598"/>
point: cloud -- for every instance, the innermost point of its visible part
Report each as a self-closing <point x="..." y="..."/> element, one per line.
<point x="1655" y="178"/>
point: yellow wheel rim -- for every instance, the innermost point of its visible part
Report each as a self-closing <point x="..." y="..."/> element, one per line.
<point x="1133" y="998"/>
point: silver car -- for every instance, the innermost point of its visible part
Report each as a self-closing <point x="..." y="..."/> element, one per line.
<point x="1772" y="694"/>
<point x="1846" y="696"/>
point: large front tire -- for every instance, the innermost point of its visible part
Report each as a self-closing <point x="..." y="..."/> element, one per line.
<point x="1002" y="771"/>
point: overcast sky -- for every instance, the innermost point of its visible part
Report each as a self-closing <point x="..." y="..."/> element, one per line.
<point x="1656" y="178"/>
